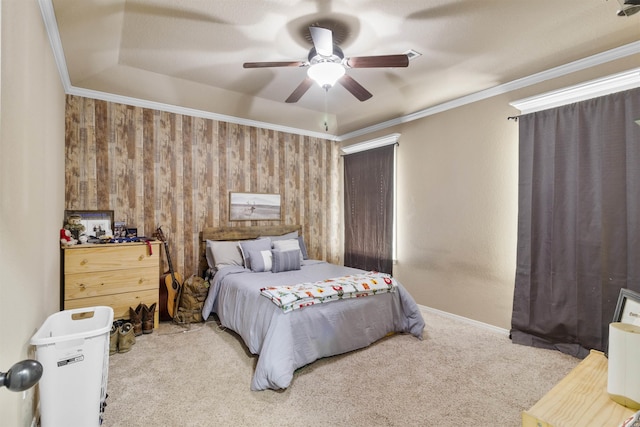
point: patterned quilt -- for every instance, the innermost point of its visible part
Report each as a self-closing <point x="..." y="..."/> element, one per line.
<point x="290" y="298"/>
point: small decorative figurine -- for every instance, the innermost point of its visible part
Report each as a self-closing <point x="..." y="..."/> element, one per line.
<point x="74" y="225"/>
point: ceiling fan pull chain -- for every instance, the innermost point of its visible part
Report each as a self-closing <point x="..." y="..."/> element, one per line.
<point x="326" y="109"/>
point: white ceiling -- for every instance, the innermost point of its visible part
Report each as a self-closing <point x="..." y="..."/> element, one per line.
<point x="189" y="53"/>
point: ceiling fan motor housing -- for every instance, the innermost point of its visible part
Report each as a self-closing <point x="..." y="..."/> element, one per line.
<point x="314" y="57"/>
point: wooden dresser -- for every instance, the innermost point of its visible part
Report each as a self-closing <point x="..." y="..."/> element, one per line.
<point x="118" y="275"/>
<point x="580" y="399"/>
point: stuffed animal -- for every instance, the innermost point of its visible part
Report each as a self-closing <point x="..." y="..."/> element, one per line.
<point x="66" y="238"/>
<point x="74" y="224"/>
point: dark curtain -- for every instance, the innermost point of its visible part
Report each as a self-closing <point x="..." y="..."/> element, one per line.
<point x="368" y="209"/>
<point x="578" y="221"/>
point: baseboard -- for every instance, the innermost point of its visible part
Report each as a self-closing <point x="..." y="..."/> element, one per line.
<point x="465" y="319"/>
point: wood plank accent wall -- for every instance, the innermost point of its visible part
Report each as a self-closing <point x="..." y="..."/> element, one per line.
<point x="158" y="168"/>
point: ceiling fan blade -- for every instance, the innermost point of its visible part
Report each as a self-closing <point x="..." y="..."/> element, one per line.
<point x="274" y="64"/>
<point x="378" y="61"/>
<point x="322" y="40"/>
<point x="299" y="91"/>
<point x="354" y="87"/>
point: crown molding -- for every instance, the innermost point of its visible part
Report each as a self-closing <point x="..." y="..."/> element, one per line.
<point x="552" y="73"/>
<point x="48" y="14"/>
<point x="371" y="144"/>
<point x="591" y="89"/>
<point x="176" y="109"/>
<point x="51" y="26"/>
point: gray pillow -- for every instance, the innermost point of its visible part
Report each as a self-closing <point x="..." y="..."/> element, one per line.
<point x="247" y="246"/>
<point x="303" y="247"/>
<point x="260" y="260"/>
<point x="292" y="235"/>
<point x="222" y="253"/>
<point x="288" y="245"/>
<point x="285" y="260"/>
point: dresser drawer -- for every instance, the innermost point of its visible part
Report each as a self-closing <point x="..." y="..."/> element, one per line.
<point x="99" y="283"/>
<point x="119" y="302"/>
<point x="116" y="275"/>
<point x="110" y="257"/>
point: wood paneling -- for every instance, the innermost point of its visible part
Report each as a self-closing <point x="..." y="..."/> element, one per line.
<point x="158" y="168"/>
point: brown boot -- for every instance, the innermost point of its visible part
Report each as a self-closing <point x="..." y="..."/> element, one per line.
<point x="136" y="319"/>
<point x="126" y="337"/>
<point x="148" y="318"/>
<point x="113" y="340"/>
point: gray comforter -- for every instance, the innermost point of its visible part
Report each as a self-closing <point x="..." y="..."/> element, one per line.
<point x="288" y="341"/>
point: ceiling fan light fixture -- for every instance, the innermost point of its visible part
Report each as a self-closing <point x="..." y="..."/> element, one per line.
<point x="326" y="74"/>
<point x="628" y="7"/>
<point x="628" y="10"/>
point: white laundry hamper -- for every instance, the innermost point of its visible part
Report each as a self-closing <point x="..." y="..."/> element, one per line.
<point x="73" y="348"/>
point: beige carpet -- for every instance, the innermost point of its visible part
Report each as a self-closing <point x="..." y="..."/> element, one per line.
<point x="459" y="375"/>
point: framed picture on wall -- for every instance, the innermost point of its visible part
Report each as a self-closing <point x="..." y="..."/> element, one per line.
<point x="254" y="206"/>
<point x="628" y="307"/>
<point x="96" y="223"/>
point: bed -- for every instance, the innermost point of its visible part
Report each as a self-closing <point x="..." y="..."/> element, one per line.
<point x="241" y="271"/>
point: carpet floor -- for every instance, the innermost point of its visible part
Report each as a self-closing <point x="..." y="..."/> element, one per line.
<point x="459" y="374"/>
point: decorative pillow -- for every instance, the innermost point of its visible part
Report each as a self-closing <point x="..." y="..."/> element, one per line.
<point x="303" y="247"/>
<point x="288" y="236"/>
<point x="248" y="246"/>
<point x="222" y="254"/>
<point x="285" y="260"/>
<point x="288" y="245"/>
<point x="260" y="260"/>
<point x="209" y="255"/>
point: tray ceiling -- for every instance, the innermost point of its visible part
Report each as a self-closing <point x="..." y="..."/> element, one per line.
<point x="189" y="54"/>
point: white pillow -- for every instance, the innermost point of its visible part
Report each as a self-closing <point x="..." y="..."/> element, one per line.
<point x="288" y="245"/>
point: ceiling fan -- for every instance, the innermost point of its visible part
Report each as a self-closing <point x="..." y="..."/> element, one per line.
<point x="327" y="65"/>
<point x="630" y="7"/>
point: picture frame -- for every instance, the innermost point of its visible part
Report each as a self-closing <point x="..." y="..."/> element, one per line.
<point x="119" y="229"/>
<point x="96" y="223"/>
<point x="254" y="207"/>
<point x="628" y="307"/>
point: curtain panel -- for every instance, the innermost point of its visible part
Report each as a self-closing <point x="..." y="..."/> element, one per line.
<point x="368" y="209"/>
<point x="578" y="221"/>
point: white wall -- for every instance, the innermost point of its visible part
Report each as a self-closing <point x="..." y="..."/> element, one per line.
<point x="457" y="202"/>
<point x="32" y="190"/>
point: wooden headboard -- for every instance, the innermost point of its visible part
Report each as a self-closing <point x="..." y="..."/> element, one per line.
<point x="239" y="233"/>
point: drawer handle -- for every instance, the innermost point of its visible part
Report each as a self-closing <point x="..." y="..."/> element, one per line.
<point x="84" y="261"/>
<point x="141" y="281"/>
<point x="141" y="257"/>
